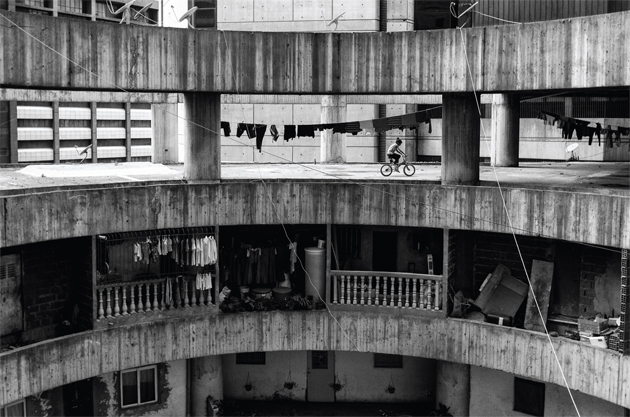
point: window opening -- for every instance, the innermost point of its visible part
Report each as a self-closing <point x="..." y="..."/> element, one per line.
<point x="319" y="359"/>
<point x="384" y="360"/>
<point x="138" y="386"/>
<point x="529" y="397"/>
<point x="251" y="358"/>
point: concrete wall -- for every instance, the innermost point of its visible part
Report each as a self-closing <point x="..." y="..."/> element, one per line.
<point x="267" y="380"/>
<point x="533" y="56"/>
<point x="492" y="394"/>
<point x="171" y="393"/>
<point x="362" y="382"/>
<point x="297" y="15"/>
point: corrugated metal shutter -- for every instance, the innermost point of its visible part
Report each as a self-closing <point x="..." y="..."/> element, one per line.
<point x="382" y="137"/>
<point x="383" y="17"/>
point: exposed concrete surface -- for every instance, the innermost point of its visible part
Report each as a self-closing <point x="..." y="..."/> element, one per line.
<point x="610" y="178"/>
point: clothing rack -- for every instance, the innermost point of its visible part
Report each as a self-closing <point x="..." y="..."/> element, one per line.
<point x="185" y="231"/>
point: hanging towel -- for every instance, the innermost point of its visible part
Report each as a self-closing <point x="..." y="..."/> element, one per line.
<point x="306" y="130"/>
<point x="289" y="132"/>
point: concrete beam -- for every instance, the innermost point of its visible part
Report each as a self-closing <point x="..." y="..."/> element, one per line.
<point x="68" y="96"/>
<point x="573" y="216"/>
<point x="46" y="365"/>
<point x="507" y="58"/>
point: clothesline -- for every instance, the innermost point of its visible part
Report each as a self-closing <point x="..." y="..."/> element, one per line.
<point x="581" y="128"/>
<point x="258" y="131"/>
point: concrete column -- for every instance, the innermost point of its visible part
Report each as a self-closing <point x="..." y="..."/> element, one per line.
<point x="206" y="380"/>
<point x="333" y="145"/>
<point x="506" y="111"/>
<point x="400" y="15"/>
<point x="460" y="139"/>
<point x="315" y="266"/>
<point x="164" y="123"/>
<point x="453" y="387"/>
<point x="55" y="127"/>
<point x="202" y="149"/>
<point x="128" y="131"/>
<point x="94" y="130"/>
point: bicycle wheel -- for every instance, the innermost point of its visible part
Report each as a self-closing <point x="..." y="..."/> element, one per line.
<point x="386" y="170"/>
<point x="409" y="170"/>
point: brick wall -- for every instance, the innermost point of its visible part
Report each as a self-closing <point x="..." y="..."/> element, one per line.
<point x="53" y="280"/>
<point x="494" y="248"/>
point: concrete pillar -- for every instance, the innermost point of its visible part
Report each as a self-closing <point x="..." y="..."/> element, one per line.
<point x="400" y="15"/>
<point x="460" y="139"/>
<point x="315" y="266"/>
<point x="202" y="150"/>
<point x="206" y="380"/>
<point x="333" y="145"/>
<point x="506" y="111"/>
<point x="164" y="123"/>
<point x="453" y="387"/>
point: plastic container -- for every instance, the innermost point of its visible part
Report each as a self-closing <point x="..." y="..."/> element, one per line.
<point x="261" y="293"/>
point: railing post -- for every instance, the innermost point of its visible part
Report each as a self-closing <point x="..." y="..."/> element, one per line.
<point x="428" y="294"/>
<point x="185" y="288"/>
<point x="124" y="300"/>
<point x="177" y="301"/>
<point x="155" y="297"/>
<point x="116" y="307"/>
<point x="334" y="285"/>
<point x="202" y="301"/>
<point x="101" y="312"/>
<point x="414" y="294"/>
<point x="343" y="289"/>
<point x="362" y="289"/>
<point x="140" y="303"/>
<point x="147" y="297"/>
<point x="132" y="304"/>
<point x="355" y="285"/>
<point x="400" y="292"/>
<point x="421" y="298"/>
<point x="108" y="308"/>
<point x="391" y="291"/>
<point x="369" y="290"/>
<point x="378" y="291"/>
<point x="193" y="299"/>
<point x="406" y="292"/>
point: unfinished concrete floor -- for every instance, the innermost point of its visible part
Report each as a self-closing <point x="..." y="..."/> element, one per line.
<point x="299" y="408"/>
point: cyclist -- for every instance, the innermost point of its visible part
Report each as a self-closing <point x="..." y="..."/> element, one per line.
<point x="394" y="152"/>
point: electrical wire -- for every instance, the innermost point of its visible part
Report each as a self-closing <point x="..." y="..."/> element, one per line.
<point x="507" y="214"/>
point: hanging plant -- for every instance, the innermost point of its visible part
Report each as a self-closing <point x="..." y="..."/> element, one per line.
<point x="336" y="386"/>
<point x="391" y="388"/>
<point x="248" y="384"/>
<point x="289" y="384"/>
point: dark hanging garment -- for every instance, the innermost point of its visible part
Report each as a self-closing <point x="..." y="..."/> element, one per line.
<point x="609" y="138"/>
<point x="409" y="121"/>
<point x="590" y="131"/>
<point x="249" y="128"/>
<point x="353" y="127"/>
<point x="339" y="128"/>
<point x="306" y="130"/>
<point x="380" y="125"/>
<point x="394" y="122"/>
<point x="289" y="132"/>
<point x="226" y="128"/>
<point x="598" y="132"/>
<point x="274" y="132"/>
<point x="260" y="135"/>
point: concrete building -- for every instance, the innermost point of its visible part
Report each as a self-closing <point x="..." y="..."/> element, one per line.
<point x="344" y="287"/>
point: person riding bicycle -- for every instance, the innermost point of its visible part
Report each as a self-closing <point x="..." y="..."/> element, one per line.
<point x="394" y="152"/>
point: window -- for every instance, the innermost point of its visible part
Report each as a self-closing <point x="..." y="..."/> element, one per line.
<point x="383" y="360"/>
<point x="251" y="358"/>
<point x="529" y="397"/>
<point x="320" y="359"/>
<point x="206" y="15"/>
<point x="16" y="409"/>
<point x="138" y="386"/>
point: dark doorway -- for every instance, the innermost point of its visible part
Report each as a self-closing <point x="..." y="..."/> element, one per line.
<point x="77" y="398"/>
<point x="384" y="251"/>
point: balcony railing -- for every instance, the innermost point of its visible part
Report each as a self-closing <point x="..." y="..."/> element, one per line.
<point x="125" y="298"/>
<point x="387" y="289"/>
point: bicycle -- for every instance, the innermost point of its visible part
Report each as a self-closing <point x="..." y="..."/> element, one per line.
<point x="388" y="168"/>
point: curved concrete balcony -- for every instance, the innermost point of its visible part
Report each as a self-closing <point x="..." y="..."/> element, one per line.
<point x="585" y="53"/>
<point x="576" y="215"/>
<point x="594" y="371"/>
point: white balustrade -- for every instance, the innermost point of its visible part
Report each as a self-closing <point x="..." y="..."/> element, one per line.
<point x="127" y="298"/>
<point x="390" y="289"/>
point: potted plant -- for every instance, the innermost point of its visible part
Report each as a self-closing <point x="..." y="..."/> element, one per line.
<point x="289" y="384"/>
<point x="248" y="384"/>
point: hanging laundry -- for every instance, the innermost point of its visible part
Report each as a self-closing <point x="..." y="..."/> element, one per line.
<point x="168" y="293"/>
<point x="293" y="256"/>
<point x="409" y="121"/>
<point x="260" y="134"/>
<point x="339" y="128"/>
<point x="609" y="136"/>
<point x="306" y="130"/>
<point x="353" y="127"/>
<point x="226" y="128"/>
<point x="289" y="132"/>
<point x="274" y="132"/>
<point x="380" y="125"/>
<point x="394" y="122"/>
<point x="245" y="127"/>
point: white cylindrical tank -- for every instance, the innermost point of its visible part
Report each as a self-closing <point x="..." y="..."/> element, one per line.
<point x="315" y="266"/>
